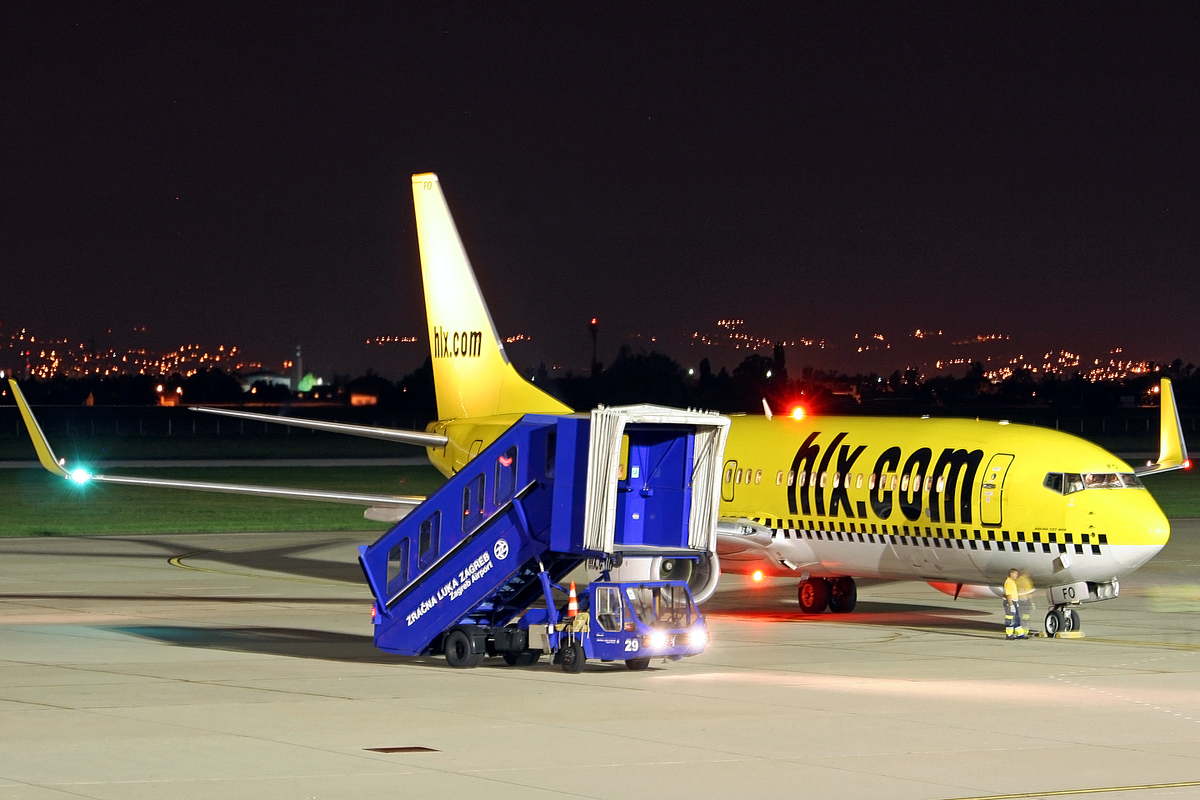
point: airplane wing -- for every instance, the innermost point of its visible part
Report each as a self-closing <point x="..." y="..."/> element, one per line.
<point x="1172" y="450"/>
<point x="388" y="434"/>
<point x="381" y="507"/>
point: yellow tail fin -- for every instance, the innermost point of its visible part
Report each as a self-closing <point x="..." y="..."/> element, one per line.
<point x="471" y="372"/>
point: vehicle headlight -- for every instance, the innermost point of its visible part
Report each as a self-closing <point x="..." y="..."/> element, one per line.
<point x="658" y="640"/>
<point x="698" y="637"/>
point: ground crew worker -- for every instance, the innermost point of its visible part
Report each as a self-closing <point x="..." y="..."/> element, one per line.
<point x="1012" y="608"/>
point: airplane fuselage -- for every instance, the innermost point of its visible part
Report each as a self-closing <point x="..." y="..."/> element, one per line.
<point x="940" y="500"/>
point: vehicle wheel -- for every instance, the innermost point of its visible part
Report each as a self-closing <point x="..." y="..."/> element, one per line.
<point x="813" y="595"/>
<point x="523" y="658"/>
<point x="637" y="663"/>
<point x="843" y="595"/>
<point x="1071" y="620"/>
<point x="573" y="657"/>
<point x="458" y="650"/>
<point x="1055" y="622"/>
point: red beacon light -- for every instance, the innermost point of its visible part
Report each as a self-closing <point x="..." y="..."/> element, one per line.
<point x="757" y="576"/>
<point x="798" y="413"/>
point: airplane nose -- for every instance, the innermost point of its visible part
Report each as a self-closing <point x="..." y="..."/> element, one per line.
<point x="1149" y="532"/>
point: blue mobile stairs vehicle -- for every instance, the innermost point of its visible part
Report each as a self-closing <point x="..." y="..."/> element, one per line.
<point x="461" y="574"/>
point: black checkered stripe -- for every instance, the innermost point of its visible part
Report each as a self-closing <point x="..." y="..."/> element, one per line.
<point x="948" y="538"/>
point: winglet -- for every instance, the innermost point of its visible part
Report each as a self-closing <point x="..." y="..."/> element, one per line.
<point x="1172" y="450"/>
<point x="40" y="443"/>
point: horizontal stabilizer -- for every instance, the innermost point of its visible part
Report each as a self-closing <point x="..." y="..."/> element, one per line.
<point x="387" y="434"/>
<point x="1172" y="450"/>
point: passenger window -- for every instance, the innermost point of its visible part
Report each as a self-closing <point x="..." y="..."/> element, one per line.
<point x="858" y="481"/>
<point x="837" y="479"/>
<point x="893" y="487"/>
<point x="871" y="482"/>
<point x="472" y="505"/>
<point x="427" y="539"/>
<point x="803" y="479"/>
<point x="729" y="475"/>
<point x="779" y="478"/>
<point x="904" y="484"/>
<point x="739" y="477"/>
<point x="791" y="477"/>
<point x="757" y="477"/>
<point x="397" y="567"/>
<point x="928" y="482"/>
<point x="824" y="477"/>
<point x="608" y="609"/>
<point x="941" y="484"/>
<point x="506" y="476"/>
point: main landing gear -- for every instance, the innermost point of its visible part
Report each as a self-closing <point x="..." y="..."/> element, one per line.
<point x="1062" y="619"/>
<point x="839" y="595"/>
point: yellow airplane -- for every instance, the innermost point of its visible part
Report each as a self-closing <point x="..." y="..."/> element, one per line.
<point x="956" y="503"/>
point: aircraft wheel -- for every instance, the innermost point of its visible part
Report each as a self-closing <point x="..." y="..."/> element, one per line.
<point x="573" y="657"/>
<point x="458" y="650"/>
<point x="637" y="663"/>
<point x="813" y="595"/>
<point x="843" y="595"/>
<point x="1056" y="621"/>
<point x="523" y="658"/>
<point x="1071" y="620"/>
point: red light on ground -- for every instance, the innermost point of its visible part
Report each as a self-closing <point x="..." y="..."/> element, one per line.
<point x="798" y="413"/>
<point x="757" y="576"/>
<point x="1187" y="465"/>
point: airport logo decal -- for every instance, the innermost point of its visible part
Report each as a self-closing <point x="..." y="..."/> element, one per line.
<point x="501" y="549"/>
<point x="447" y="344"/>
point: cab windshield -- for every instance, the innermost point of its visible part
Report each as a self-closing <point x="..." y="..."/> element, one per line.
<point x="1071" y="482"/>
<point x="662" y="606"/>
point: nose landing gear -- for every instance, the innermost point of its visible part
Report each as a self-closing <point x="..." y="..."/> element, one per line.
<point x="1062" y="619"/>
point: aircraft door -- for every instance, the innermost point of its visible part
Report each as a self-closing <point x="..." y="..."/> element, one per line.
<point x="991" y="491"/>
<point x="729" y="480"/>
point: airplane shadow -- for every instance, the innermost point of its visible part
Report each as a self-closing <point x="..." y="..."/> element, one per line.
<point x="895" y="615"/>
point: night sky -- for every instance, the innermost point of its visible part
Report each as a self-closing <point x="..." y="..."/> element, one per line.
<point x="229" y="176"/>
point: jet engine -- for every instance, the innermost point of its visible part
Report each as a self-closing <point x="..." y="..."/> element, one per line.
<point x="700" y="573"/>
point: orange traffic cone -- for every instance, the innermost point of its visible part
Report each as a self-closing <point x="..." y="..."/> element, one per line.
<point x="572" y="602"/>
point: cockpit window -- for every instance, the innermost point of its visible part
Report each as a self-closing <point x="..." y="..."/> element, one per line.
<point x="1071" y="482"/>
<point x="1102" y="480"/>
